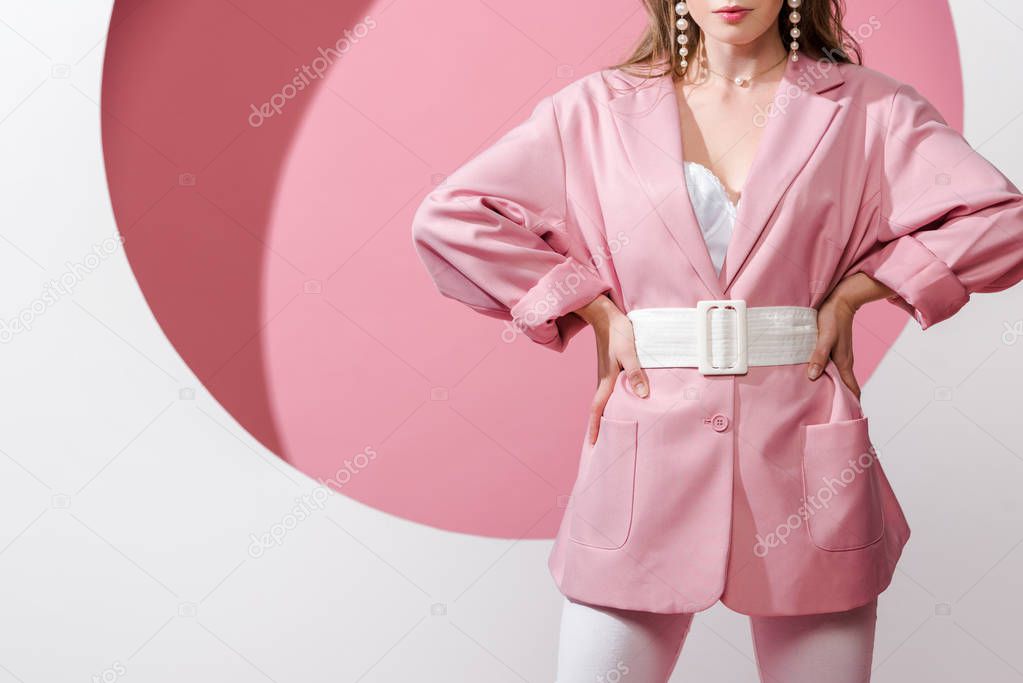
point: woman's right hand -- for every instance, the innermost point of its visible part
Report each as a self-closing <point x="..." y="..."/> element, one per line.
<point x="616" y="351"/>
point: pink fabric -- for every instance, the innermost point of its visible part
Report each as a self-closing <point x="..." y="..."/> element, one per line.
<point x="837" y="458"/>
<point x="855" y="172"/>
<point x="931" y="178"/>
<point x="508" y="208"/>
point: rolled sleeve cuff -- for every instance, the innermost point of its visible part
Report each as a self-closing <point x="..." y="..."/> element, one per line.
<point x="923" y="284"/>
<point x="541" y="313"/>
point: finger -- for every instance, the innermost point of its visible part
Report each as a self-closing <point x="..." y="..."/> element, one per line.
<point x="592" y="427"/>
<point x="845" y="371"/>
<point x="821" y="352"/>
<point x="635" y="375"/>
<point x="842" y="356"/>
<point x="600" y="399"/>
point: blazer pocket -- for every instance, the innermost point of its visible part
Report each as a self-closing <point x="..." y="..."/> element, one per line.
<point x="602" y="498"/>
<point x="841" y="488"/>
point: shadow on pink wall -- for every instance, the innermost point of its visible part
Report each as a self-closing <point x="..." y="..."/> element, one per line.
<point x="264" y="162"/>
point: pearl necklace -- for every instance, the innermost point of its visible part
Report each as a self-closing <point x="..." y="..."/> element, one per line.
<point x="742" y="82"/>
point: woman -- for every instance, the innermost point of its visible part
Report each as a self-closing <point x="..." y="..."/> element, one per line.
<point x="721" y="284"/>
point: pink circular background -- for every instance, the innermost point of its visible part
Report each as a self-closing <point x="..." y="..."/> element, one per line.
<point x="278" y="258"/>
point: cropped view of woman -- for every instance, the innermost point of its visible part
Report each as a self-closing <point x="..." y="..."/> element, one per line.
<point x="717" y="208"/>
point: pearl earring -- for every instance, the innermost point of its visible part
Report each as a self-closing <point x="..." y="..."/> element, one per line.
<point x="681" y="10"/>
<point x="794" y="32"/>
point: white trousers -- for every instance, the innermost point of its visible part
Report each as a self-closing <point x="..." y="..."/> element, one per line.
<point x="607" y="645"/>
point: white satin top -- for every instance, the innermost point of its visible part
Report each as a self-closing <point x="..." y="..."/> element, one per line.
<point x="713" y="208"/>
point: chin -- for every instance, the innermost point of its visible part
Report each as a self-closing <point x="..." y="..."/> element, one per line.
<point x="734" y="35"/>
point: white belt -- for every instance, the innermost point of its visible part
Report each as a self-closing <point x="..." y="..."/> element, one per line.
<point x="723" y="336"/>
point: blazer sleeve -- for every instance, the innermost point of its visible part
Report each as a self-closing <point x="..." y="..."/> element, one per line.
<point x="951" y="224"/>
<point x="494" y="235"/>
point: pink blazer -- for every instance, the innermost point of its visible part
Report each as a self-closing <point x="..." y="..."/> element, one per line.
<point x="760" y="490"/>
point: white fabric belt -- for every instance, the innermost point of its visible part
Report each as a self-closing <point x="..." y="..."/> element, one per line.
<point x="723" y="336"/>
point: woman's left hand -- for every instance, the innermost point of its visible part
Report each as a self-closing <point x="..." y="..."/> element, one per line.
<point x="835" y="326"/>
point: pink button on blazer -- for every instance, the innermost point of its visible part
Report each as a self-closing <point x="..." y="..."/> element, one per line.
<point x="760" y="490"/>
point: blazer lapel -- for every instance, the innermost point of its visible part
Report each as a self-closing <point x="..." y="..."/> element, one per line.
<point x="792" y="133"/>
<point x="647" y="117"/>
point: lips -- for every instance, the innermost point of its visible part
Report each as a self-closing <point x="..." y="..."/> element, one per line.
<point x="732" y="13"/>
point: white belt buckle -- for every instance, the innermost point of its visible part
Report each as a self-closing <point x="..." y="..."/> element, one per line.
<point x="703" y="309"/>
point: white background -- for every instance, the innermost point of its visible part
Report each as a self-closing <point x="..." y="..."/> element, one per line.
<point x="126" y="488"/>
